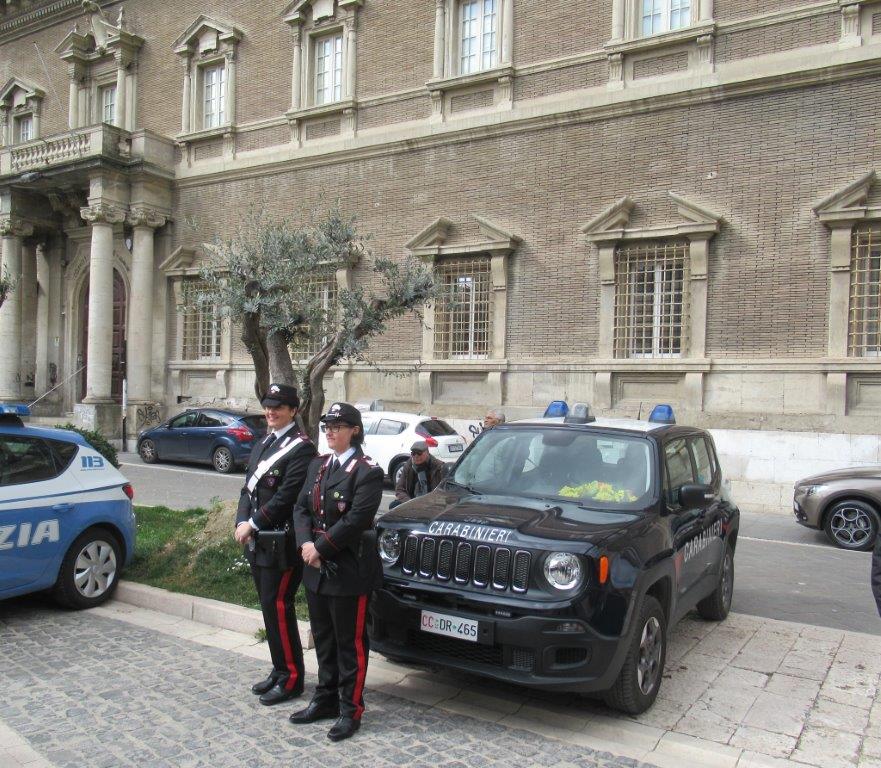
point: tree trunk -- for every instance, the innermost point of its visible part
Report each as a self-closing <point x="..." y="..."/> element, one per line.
<point x="254" y="340"/>
<point x="281" y="369"/>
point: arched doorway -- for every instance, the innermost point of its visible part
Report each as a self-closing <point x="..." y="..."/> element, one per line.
<point x="118" y="351"/>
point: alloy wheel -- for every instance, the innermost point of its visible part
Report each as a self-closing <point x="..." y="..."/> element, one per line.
<point x="95" y="569"/>
<point x="649" y="662"/>
<point x="222" y="460"/>
<point x="851" y="526"/>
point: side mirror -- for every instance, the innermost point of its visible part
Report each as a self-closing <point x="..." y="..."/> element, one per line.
<point x="696" y="496"/>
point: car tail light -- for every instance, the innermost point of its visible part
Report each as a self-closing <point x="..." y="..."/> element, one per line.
<point x="128" y="490"/>
<point x="430" y="441"/>
<point x="240" y="434"/>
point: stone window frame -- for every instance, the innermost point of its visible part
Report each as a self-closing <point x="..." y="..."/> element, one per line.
<point x="498" y="245"/>
<point x="207" y="43"/>
<point x="311" y="20"/>
<point x="627" y="19"/>
<point x="611" y="228"/>
<point x="19" y="99"/>
<point x="446" y="78"/>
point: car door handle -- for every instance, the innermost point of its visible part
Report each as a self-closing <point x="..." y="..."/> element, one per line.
<point x="62" y="507"/>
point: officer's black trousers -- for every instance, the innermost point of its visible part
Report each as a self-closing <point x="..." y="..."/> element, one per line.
<point x="339" y="628"/>
<point x="276" y="590"/>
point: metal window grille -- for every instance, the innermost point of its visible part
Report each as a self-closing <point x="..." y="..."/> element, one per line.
<point x="201" y="327"/>
<point x="328" y="69"/>
<point x="463" y="311"/>
<point x="214" y="82"/>
<point x="478" y="45"/>
<point x="311" y="340"/>
<point x="108" y="103"/>
<point x="651" y="299"/>
<point x="664" y="15"/>
<point x="864" y="327"/>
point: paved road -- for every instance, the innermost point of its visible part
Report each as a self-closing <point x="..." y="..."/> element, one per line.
<point x="784" y="571"/>
<point x="130" y="696"/>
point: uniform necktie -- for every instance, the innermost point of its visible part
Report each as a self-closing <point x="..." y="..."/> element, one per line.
<point x="268" y="443"/>
<point x="335" y="465"/>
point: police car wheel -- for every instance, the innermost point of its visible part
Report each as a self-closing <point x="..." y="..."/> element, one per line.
<point x="223" y="461"/>
<point x="90" y="570"/>
<point x="639" y="680"/>
<point x="715" y="607"/>
<point x="147" y="452"/>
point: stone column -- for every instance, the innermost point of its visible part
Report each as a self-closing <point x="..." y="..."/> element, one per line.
<point x="139" y="345"/>
<point x="121" y="97"/>
<point x="705" y="10"/>
<point x="41" y="358"/>
<point x="186" y="109"/>
<point x="507" y="32"/>
<point x="11" y="231"/>
<point x="73" y="109"/>
<point x="351" y="60"/>
<point x="5" y="133"/>
<point x="102" y="217"/>
<point x="27" y="292"/>
<point x="618" y="19"/>
<point x="229" y="108"/>
<point x="439" y="28"/>
<point x="296" y="77"/>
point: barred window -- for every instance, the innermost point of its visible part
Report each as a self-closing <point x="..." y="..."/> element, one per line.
<point x="650" y="299"/>
<point x="864" y="328"/>
<point x="313" y="339"/>
<point x="463" y="324"/>
<point x="201" y="326"/>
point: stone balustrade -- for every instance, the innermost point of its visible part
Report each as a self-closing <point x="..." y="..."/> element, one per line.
<point x="65" y="147"/>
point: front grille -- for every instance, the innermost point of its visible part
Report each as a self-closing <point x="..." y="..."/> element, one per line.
<point x="411" y="547"/>
<point x="426" y="564"/>
<point x="451" y="647"/>
<point x="522" y="659"/>
<point x="480" y="565"/>
<point x="445" y="560"/>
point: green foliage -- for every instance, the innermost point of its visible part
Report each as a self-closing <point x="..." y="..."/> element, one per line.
<point x="96" y="440"/>
<point x="7" y="285"/>
<point x="167" y="555"/>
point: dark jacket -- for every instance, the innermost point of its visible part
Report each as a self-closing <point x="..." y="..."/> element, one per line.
<point x="335" y="511"/>
<point x="406" y="485"/>
<point x="272" y="503"/>
<point x="876" y="572"/>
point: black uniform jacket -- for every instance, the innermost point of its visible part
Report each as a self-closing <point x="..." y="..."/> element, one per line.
<point x="272" y="503"/>
<point x="335" y="510"/>
<point x="876" y="571"/>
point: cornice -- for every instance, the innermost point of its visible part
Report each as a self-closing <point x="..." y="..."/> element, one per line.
<point x="49" y="13"/>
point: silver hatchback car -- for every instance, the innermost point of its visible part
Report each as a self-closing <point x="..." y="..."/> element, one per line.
<point x="845" y="503"/>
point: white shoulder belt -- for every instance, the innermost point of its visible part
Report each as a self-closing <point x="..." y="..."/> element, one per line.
<point x="264" y="466"/>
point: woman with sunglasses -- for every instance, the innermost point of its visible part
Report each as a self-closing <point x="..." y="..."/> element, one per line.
<point x="333" y="521"/>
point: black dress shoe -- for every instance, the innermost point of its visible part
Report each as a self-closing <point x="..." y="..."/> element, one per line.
<point x="316" y="710"/>
<point x="258" y="689"/>
<point x="277" y="694"/>
<point x="343" y="728"/>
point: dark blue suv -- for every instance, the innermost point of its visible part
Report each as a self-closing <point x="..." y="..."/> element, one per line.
<point x="213" y="436"/>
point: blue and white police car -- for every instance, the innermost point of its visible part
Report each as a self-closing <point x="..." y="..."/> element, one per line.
<point x="66" y="518"/>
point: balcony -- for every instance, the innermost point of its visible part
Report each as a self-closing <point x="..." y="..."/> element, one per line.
<point x="101" y="141"/>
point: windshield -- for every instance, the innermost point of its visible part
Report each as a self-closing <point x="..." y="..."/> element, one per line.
<point x="602" y="471"/>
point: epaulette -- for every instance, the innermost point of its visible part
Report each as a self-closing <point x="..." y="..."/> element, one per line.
<point x="368" y="461"/>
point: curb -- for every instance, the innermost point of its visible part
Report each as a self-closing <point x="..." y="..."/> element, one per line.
<point x="214" y="613"/>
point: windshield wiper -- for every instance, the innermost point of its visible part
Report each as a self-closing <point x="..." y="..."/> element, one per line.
<point x="463" y="486"/>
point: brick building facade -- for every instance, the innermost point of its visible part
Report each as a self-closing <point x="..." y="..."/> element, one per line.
<point x="638" y="200"/>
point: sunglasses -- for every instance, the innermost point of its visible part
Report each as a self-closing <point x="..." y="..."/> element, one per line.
<point x="335" y="427"/>
<point x="416" y="453"/>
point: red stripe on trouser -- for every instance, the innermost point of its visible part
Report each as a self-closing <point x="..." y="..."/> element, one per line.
<point x="283" y="631"/>
<point x="361" y="657"/>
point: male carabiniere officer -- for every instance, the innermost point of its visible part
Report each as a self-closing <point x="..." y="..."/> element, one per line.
<point x="333" y="520"/>
<point x="276" y="472"/>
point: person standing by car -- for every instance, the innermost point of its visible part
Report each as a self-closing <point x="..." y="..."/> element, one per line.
<point x="876" y="572"/>
<point x="276" y="471"/>
<point x="492" y="419"/>
<point x="333" y="520"/>
<point x="420" y="475"/>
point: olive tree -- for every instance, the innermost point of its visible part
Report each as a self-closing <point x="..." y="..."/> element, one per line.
<point x="267" y="279"/>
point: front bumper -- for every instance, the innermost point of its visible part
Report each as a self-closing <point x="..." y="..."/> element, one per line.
<point x="528" y="650"/>
<point x="807" y="509"/>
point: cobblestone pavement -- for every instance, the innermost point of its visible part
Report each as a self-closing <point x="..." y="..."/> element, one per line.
<point x="86" y="690"/>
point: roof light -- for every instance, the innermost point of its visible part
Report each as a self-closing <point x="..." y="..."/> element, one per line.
<point x="580" y="414"/>
<point x="556" y="409"/>
<point x="662" y="414"/>
<point x="11" y="413"/>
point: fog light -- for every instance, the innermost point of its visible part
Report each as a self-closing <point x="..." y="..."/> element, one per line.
<point x="570" y="627"/>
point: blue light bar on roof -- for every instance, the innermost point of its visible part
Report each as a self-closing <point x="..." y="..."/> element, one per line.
<point x="14" y="409"/>
<point x="662" y="414"/>
<point x="556" y="408"/>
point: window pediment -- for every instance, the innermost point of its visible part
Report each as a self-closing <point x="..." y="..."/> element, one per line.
<point x="17" y="91"/>
<point x="848" y="204"/>
<point x="434" y="240"/>
<point x="206" y="35"/>
<point x="180" y="262"/>
<point x="102" y="38"/>
<point x="298" y="11"/>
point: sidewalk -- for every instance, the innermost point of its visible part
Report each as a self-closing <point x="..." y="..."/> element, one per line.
<point x="747" y="692"/>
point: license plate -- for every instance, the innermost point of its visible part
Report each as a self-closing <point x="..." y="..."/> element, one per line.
<point x="449" y="626"/>
<point x="455" y="448"/>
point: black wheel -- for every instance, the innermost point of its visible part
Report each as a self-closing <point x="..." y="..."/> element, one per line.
<point x="89" y="572"/>
<point x="639" y="680"/>
<point x="852" y="524"/>
<point x="395" y="470"/>
<point x="147" y="451"/>
<point x="715" y="607"/>
<point x="222" y="460"/>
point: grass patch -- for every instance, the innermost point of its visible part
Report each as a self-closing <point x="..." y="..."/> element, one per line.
<point x="168" y="554"/>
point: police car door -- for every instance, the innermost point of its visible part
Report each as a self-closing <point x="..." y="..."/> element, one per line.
<point x="710" y="556"/>
<point x="685" y="523"/>
<point x="35" y="495"/>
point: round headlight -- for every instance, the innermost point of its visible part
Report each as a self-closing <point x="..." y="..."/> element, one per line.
<point x="563" y="571"/>
<point x="390" y="546"/>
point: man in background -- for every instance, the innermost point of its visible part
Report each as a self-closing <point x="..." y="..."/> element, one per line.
<point x="420" y="475"/>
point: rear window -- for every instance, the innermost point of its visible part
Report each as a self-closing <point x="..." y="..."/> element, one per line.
<point x="390" y="427"/>
<point x="435" y="428"/>
<point x="256" y="424"/>
<point x="25" y="460"/>
<point x="64" y="453"/>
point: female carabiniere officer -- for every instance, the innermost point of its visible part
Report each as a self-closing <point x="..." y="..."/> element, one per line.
<point x="276" y="472"/>
<point x="333" y="521"/>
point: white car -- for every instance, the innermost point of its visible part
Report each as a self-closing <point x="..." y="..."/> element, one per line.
<point x="388" y="436"/>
